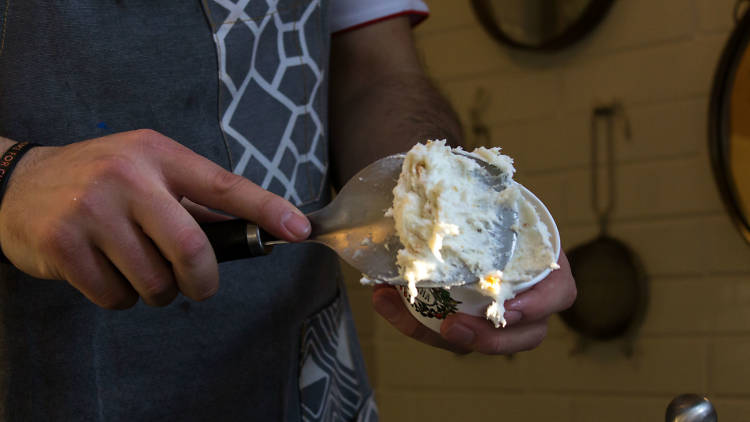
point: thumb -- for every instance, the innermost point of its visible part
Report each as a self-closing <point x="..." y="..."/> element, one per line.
<point x="283" y="219"/>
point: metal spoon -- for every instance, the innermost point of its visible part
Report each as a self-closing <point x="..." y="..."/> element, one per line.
<point x="354" y="225"/>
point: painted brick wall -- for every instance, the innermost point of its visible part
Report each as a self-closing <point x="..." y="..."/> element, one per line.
<point x="657" y="58"/>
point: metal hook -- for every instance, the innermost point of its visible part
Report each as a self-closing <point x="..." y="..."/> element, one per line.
<point x="608" y="112"/>
<point x="616" y="109"/>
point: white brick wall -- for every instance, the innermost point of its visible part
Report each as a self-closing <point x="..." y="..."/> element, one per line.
<point x="657" y="58"/>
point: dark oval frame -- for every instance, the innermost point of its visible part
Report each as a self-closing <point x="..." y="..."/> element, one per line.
<point x="591" y="16"/>
<point x="718" y="123"/>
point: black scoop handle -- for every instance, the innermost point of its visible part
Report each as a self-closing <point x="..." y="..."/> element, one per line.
<point x="237" y="239"/>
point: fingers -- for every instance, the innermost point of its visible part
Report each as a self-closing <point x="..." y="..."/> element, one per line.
<point x="207" y="183"/>
<point x="201" y="213"/>
<point x="460" y="333"/>
<point x="388" y="304"/>
<point x="526" y="315"/>
<point x="95" y="277"/>
<point x="179" y="239"/>
<point x="136" y="258"/>
<point x="71" y="255"/>
<point x="555" y="293"/>
<point x="478" y="334"/>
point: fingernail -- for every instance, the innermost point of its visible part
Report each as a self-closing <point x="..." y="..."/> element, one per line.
<point x="512" y="317"/>
<point x="387" y="309"/>
<point x="460" y="334"/>
<point x="296" y="224"/>
<point x="514" y="305"/>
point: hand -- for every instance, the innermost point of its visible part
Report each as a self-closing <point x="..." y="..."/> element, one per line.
<point x="107" y="216"/>
<point x="526" y="315"/>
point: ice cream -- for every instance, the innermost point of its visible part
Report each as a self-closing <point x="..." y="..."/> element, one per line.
<point x="446" y="216"/>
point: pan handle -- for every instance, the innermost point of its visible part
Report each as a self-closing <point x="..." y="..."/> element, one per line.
<point x="608" y="113"/>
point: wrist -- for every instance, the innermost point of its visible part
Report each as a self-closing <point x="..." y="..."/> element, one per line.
<point x="8" y="163"/>
<point x="5" y="143"/>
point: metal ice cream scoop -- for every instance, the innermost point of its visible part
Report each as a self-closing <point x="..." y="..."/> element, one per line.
<point x="354" y="225"/>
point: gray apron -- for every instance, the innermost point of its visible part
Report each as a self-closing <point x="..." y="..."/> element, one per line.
<point x="245" y="86"/>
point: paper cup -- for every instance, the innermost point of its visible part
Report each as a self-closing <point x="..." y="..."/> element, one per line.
<point x="433" y="305"/>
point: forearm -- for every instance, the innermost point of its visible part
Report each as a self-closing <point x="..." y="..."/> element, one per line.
<point x="389" y="117"/>
<point x="381" y="101"/>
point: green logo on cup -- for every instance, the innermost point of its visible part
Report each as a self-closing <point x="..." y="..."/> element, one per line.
<point x="433" y="302"/>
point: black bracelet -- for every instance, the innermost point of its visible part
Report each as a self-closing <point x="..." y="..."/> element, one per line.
<point x="8" y="162"/>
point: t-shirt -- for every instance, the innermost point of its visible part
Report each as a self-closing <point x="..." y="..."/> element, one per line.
<point x="243" y="84"/>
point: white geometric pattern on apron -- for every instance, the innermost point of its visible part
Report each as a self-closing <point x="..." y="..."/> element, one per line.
<point x="329" y="385"/>
<point x="270" y="105"/>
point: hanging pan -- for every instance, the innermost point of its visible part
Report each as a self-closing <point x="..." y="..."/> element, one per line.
<point x="612" y="285"/>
